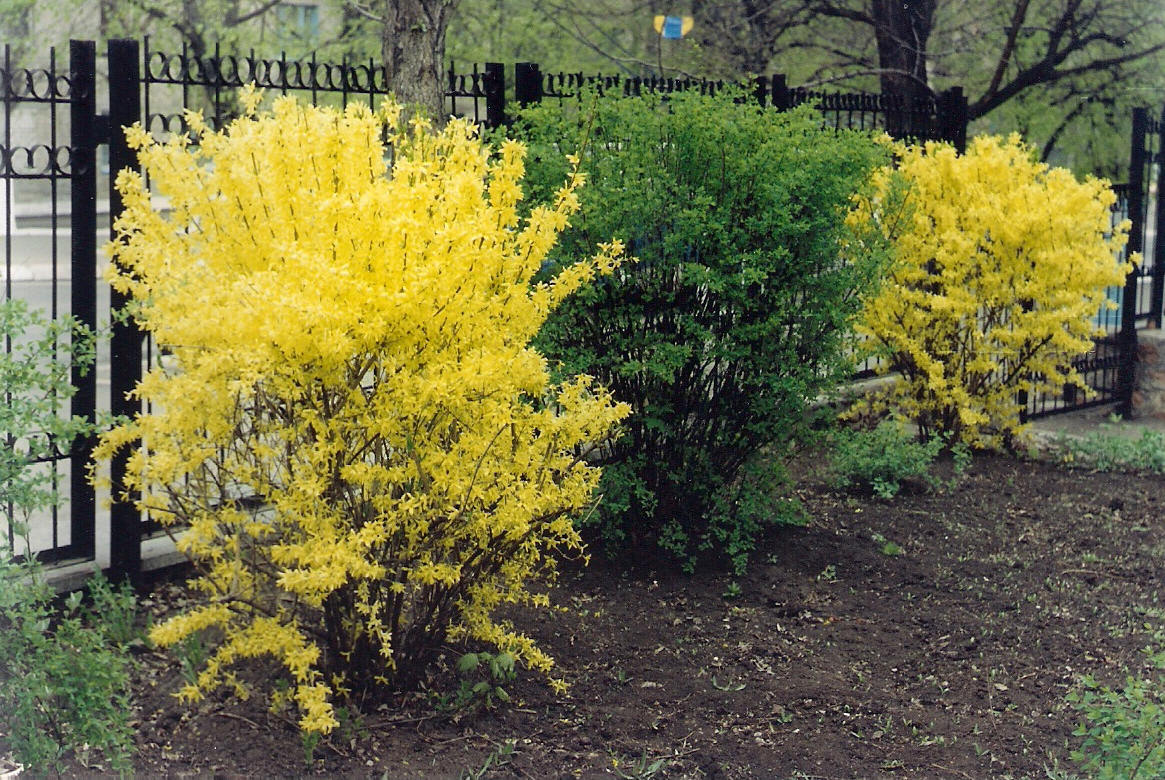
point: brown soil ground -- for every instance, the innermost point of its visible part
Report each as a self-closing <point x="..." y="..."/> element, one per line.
<point x="836" y="659"/>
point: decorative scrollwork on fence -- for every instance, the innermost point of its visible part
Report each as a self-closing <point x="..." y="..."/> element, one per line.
<point x="567" y="85"/>
<point x="230" y="71"/>
<point x="466" y="85"/>
<point x="867" y="111"/>
<point x="40" y="161"/>
<point x="34" y="85"/>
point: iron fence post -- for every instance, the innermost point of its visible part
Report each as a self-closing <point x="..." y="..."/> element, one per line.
<point x="781" y="97"/>
<point x="83" y="267"/>
<point x="1157" y="265"/>
<point x="125" y="552"/>
<point x="527" y="83"/>
<point x="1127" y="338"/>
<point x="495" y="94"/>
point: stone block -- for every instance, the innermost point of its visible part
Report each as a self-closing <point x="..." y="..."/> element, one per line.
<point x="1149" y="389"/>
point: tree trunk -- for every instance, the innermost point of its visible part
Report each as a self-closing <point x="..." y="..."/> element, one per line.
<point x="414" y="51"/>
<point x="902" y="28"/>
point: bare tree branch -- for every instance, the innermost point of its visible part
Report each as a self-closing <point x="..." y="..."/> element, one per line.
<point x="262" y="9"/>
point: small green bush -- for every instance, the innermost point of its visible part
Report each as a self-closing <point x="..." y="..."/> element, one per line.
<point x="1123" y="729"/>
<point x="64" y="673"/>
<point x="482" y="677"/>
<point x="64" y="681"/>
<point x="880" y="459"/>
<point x="735" y="315"/>
<point x="35" y="381"/>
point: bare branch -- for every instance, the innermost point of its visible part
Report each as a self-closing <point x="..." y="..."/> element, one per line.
<point x="262" y="9"/>
<point x="1046" y="72"/>
<point x="1013" y="29"/>
<point x="363" y="10"/>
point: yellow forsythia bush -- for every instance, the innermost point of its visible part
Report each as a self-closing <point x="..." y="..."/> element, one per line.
<point x="1001" y="264"/>
<point x="364" y="455"/>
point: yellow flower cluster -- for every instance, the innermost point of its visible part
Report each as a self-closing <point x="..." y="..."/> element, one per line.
<point x="1001" y="265"/>
<point x="348" y="424"/>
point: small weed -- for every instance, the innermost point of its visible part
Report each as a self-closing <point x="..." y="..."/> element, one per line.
<point x="483" y="675"/>
<point x="828" y="574"/>
<point x="733" y="590"/>
<point x="192" y="653"/>
<point x="498" y="757"/>
<point x="116" y="609"/>
<point x="730" y="686"/>
<point x="642" y="768"/>
<point x="310" y="741"/>
<point x="961" y="458"/>
<point x="352" y="728"/>
<point x="885" y="546"/>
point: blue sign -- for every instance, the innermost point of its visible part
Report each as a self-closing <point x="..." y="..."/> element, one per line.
<point x="673" y="28"/>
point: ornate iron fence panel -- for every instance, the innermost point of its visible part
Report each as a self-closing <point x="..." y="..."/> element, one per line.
<point x="48" y="217"/>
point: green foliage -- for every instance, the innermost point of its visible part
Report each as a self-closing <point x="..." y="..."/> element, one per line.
<point x="483" y="676"/>
<point x="886" y="546"/>
<point x="310" y="740"/>
<point x="117" y="609"/>
<point x="192" y="652"/>
<point x="735" y="314"/>
<point x="1123" y="730"/>
<point x="641" y="768"/>
<point x="497" y="758"/>
<point x="880" y="459"/>
<point x="1106" y="450"/>
<point x="35" y="382"/>
<point x="63" y="673"/>
<point x="64" y="681"/>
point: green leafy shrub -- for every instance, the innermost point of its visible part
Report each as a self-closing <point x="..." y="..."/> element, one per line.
<point x="880" y="459"/>
<point x="63" y="674"/>
<point x="735" y="314"/>
<point x="1123" y="729"/>
<point x="64" y="682"/>
<point x="35" y="381"/>
<point x="482" y="677"/>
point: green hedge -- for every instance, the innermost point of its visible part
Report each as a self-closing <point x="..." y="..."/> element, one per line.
<point x="735" y="314"/>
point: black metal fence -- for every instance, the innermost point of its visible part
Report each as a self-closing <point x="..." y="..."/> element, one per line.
<point x="58" y="152"/>
<point x="941" y="117"/>
<point x="1109" y="369"/>
<point x="59" y="165"/>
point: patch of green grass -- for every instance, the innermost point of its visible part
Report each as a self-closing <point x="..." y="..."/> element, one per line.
<point x="1106" y="450"/>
